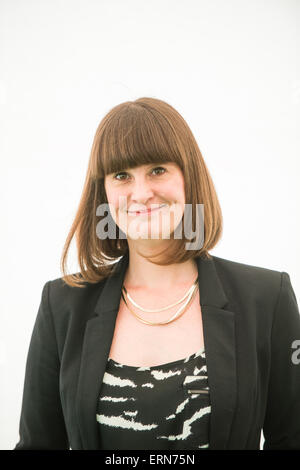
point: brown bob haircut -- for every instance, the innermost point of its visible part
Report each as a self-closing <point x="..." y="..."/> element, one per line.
<point x="135" y="133"/>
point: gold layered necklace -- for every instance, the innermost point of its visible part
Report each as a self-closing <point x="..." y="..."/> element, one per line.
<point x="189" y="296"/>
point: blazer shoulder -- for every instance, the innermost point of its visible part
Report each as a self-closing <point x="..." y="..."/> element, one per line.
<point x="258" y="278"/>
<point x="64" y="298"/>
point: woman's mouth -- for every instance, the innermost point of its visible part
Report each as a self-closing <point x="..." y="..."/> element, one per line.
<point x="148" y="211"/>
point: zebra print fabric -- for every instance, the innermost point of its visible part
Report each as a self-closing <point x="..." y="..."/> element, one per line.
<point x="159" y="407"/>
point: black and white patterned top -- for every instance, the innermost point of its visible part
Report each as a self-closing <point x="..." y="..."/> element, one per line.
<point x="158" y="407"/>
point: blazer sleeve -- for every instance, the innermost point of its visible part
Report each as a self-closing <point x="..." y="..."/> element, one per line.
<point x="281" y="426"/>
<point x="42" y="425"/>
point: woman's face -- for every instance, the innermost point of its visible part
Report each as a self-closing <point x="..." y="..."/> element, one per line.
<point x="150" y="186"/>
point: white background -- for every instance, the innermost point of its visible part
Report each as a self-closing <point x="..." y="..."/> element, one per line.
<point x="231" y="68"/>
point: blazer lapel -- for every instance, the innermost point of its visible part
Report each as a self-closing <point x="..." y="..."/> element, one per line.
<point x="220" y="352"/>
<point x="95" y="350"/>
<point x="219" y="343"/>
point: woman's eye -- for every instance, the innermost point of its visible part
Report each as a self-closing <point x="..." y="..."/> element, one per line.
<point x="159" y="168"/>
<point x="117" y="174"/>
<point x="125" y="173"/>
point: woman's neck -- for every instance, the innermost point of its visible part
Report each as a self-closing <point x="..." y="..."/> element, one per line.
<point x="141" y="274"/>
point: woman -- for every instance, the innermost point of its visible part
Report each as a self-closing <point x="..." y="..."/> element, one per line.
<point x="155" y="343"/>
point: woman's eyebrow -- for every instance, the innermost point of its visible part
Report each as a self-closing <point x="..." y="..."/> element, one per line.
<point x="147" y="165"/>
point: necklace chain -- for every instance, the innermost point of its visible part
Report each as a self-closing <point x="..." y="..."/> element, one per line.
<point x="190" y="296"/>
<point x="160" y="309"/>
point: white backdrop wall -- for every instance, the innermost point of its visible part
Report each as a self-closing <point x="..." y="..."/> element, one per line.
<point x="231" y="68"/>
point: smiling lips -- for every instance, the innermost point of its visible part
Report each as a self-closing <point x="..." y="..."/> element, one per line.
<point x="147" y="211"/>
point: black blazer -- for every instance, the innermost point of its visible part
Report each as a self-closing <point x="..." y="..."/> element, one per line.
<point x="250" y="320"/>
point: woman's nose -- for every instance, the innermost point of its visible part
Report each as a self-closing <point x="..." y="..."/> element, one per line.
<point x="141" y="189"/>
